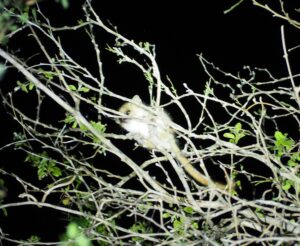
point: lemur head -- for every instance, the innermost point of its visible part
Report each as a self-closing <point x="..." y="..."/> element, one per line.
<point x="134" y="117"/>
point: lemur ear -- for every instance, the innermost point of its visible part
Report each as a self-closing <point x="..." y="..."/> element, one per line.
<point x="137" y="99"/>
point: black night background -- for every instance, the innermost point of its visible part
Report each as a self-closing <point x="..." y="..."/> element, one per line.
<point x="248" y="36"/>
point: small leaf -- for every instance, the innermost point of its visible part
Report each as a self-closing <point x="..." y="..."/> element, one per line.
<point x="98" y="126"/>
<point x="292" y="163"/>
<point x="238" y="127"/>
<point x="66" y="201"/>
<point x="166" y="215"/>
<point x="195" y="225"/>
<point x="278" y="135"/>
<point x="84" y="89"/>
<point x="74" y="125"/>
<point x="56" y="172"/>
<point x="208" y="90"/>
<point x="229" y="135"/>
<point x="65" y="3"/>
<point x="24" y="18"/>
<point x="48" y="75"/>
<point x="72" y="230"/>
<point x="259" y="213"/>
<point x="69" y="119"/>
<point x="31" y="86"/>
<point x="177" y="224"/>
<point x="287" y="185"/>
<point x="82" y="240"/>
<point x="72" y="87"/>
<point x="188" y="210"/>
<point x="22" y="86"/>
<point x="149" y="77"/>
<point x="147" y="47"/>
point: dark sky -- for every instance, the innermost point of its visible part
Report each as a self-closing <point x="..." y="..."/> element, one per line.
<point x="246" y="36"/>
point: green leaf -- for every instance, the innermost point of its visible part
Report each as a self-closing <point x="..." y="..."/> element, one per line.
<point x="34" y="239"/>
<point x="48" y="75"/>
<point x="98" y="126"/>
<point x="283" y="144"/>
<point x="31" y="86"/>
<point x="64" y="3"/>
<point x="22" y="86"/>
<point x="75" y="234"/>
<point x="177" y="224"/>
<point x="208" y="90"/>
<point x="229" y="135"/>
<point x="149" y="77"/>
<point x="70" y="119"/>
<point x="72" y="87"/>
<point x="292" y="163"/>
<point x="279" y="136"/>
<point x="139" y="227"/>
<point x="166" y="215"/>
<point x="72" y="230"/>
<point x="82" y="240"/>
<point x="24" y="18"/>
<point x="44" y="164"/>
<point x="259" y="213"/>
<point x="195" y="225"/>
<point x="287" y="184"/>
<point x="188" y="210"/>
<point x="84" y="89"/>
<point x="238" y="126"/>
<point x="294" y="160"/>
<point x="55" y="171"/>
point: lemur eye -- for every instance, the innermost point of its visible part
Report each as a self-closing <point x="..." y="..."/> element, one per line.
<point x="127" y="112"/>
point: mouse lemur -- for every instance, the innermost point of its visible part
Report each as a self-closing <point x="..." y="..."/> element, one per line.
<point x="153" y="131"/>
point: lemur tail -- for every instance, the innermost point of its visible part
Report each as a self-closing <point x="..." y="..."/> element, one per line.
<point x="196" y="175"/>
